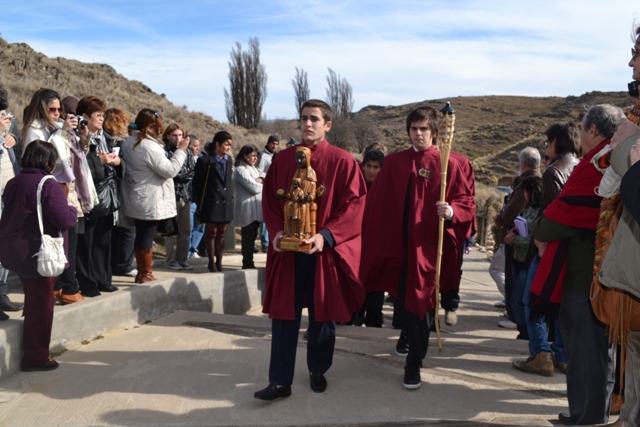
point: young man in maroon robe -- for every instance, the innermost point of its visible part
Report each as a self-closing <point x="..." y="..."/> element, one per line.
<point x="400" y="232"/>
<point x="326" y="280"/>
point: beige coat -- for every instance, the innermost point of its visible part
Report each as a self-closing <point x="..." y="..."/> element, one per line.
<point x="147" y="187"/>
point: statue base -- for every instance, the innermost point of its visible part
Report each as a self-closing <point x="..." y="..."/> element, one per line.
<point x="293" y="244"/>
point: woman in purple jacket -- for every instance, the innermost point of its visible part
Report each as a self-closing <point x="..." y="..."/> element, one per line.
<point x="19" y="225"/>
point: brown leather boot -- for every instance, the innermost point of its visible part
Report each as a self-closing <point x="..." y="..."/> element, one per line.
<point x="65" y="299"/>
<point x="616" y="403"/>
<point x="145" y="265"/>
<point x="540" y="364"/>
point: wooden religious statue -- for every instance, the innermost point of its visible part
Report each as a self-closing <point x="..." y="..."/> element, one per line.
<point x="300" y="209"/>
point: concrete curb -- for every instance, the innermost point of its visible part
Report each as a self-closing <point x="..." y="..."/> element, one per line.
<point x="228" y="292"/>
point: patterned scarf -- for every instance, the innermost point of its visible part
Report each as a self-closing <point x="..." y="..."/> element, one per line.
<point x="577" y="206"/>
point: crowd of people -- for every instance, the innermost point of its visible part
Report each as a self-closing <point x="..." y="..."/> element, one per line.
<point x="371" y="227"/>
<point x="123" y="182"/>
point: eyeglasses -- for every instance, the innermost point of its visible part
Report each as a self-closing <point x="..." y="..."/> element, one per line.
<point x="53" y="110"/>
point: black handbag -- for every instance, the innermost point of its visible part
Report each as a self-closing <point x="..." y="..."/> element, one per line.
<point x="108" y="202"/>
<point x="168" y="227"/>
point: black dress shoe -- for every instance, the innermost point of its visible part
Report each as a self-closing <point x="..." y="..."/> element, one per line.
<point x="49" y="365"/>
<point x="565" y="419"/>
<point x="3" y="316"/>
<point x="107" y="288"/>
<point x="91" y="293"/>
<point x="272" y="392"/>
<point x="318" y="382"/>
<point x="7" y="305"/>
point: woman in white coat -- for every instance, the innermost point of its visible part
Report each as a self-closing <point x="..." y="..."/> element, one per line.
<point x="147" y="188"/>
<point x="248" y="209"/>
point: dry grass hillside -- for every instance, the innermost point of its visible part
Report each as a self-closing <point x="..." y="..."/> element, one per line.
<point x="23" y="71"/>
<point x="490" y="130"/>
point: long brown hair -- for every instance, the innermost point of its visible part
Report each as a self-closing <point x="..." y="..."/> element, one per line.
<point x="37" y="110"/>
<point x="145" y="118"/>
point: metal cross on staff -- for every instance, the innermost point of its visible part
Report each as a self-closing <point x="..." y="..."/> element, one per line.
<point x="445" y="139"/>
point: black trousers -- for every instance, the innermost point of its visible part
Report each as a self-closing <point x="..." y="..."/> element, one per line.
<point x="122" y="249"/>
<point x="589" y="360"/>
<point x="508" y="280"/>
<point x="67" y="281"/>
<point x="417" y="328"/>
<point x="93" y="269"/>
<point x="248" y="235"/>
<point x="450" y="300"/>
<point x="371" y="313"/>
<point x="145" y="231"/>
<point x="321" y="335"/>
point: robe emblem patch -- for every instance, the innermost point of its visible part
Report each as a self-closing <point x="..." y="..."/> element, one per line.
<point x="424" y="173"/>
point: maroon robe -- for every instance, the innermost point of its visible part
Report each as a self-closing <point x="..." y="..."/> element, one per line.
<point x="383" y="249"/>
<point x="451" y="282"/>
<point x="338" y="291"/>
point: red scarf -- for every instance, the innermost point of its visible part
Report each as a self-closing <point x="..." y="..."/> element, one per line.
<point x="577" y="206"/>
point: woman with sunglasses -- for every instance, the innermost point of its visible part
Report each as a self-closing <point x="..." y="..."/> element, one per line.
<point x="45" y="120"/>
<point x="41" y="116"/>
<point x="148" y="194"/>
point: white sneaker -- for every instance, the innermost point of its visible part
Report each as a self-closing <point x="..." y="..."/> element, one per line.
<point x="132" y="273"/>
<point x="194" y="255"/>
<point x="450" y="318"/>
<point x="500" y="304"/>
<point x="507" y="324"/>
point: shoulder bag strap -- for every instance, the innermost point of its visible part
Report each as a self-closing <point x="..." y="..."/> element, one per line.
<point x="204" y="189"/>
<point x="39" y="200"/>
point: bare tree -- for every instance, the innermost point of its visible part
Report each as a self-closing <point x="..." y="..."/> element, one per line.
<point x="339" y="95"/>
<point x="301" y="88"/>
<point x="365" y="132"/>
<point x="247" y="86"/>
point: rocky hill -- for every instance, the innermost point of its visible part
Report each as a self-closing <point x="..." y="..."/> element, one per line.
<point x="490" y="130"/>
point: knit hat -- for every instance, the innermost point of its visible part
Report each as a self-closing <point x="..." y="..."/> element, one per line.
<point x="273" y="138"/>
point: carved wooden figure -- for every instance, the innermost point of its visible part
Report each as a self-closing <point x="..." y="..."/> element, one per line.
<point x="300" y="210"/>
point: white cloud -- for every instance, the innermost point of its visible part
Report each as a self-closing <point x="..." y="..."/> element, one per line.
<point x="390" y="52"/>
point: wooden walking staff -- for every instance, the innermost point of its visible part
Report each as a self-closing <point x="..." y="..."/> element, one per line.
<point x="445" y="138"/>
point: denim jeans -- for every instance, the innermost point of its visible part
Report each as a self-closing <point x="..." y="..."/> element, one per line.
<point x="197" y="231"/>
<point x="264" y="236"/>
<point x="538" y="328"/>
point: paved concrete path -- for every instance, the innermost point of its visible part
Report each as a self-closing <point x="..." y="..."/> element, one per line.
<point x="201" y="369"/>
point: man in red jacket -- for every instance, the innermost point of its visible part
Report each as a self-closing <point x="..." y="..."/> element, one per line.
<point x="400" y="232"/>
<point x="325" y="280"/>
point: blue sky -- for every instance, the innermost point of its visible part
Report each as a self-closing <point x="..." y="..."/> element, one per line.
<point x="392" y="52"/>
